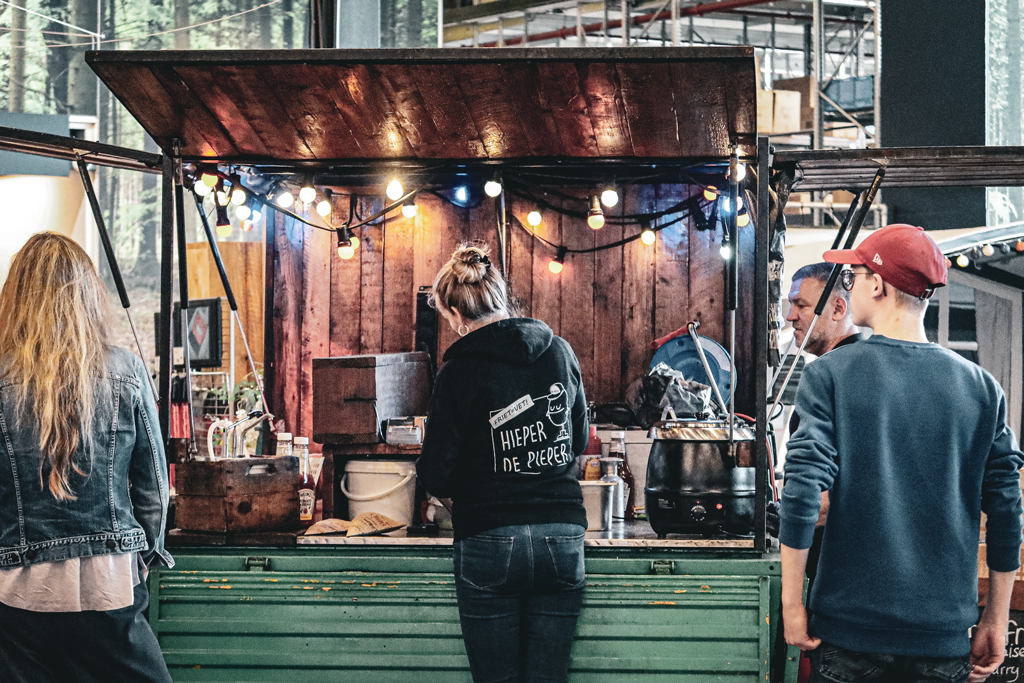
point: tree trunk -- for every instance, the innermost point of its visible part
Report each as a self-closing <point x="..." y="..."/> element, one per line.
<point x="181" y="38"/>
<point x="147" y="265"/>
<point x="81" y="79"/>
<point x="16" y="93"/>
<point x="57" y="57"/>
<point x="287" y="26"/>
<point x="414" y="27"/>
<point x="263" y="16"/>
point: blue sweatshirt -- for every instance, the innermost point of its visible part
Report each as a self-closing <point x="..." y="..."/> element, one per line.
<point x="912" y="444"/>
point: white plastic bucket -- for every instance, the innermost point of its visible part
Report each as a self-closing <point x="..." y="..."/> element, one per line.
<point x="384" y="486"/>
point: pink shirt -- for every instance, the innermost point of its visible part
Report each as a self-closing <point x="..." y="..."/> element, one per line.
<point x="81" y="584"/>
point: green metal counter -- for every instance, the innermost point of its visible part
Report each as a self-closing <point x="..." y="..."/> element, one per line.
<point x="376" y="613"/>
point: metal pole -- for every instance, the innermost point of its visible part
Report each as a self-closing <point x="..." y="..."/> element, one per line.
<point x="624" y="9"/>
<point x="762" y="228"/>
<point x="878" y="75"/>
<point x="440" y="23"/>
<point x="691" y="327"/>
<point x="818" y="52"/>
<point x="115" y="270"/>
<point x="166" y="351"/>
<point x="179" y="210"/>
<point x="581" y="35"/>
<point x="675" y="23"/>
<point x="731" y="277"/>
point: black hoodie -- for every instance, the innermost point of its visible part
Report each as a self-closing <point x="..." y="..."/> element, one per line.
<point x="507" y="419"/>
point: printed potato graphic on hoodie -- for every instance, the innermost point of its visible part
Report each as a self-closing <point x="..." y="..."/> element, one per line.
<point x="532" y="434"/>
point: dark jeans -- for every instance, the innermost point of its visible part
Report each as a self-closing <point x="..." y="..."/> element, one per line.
<point x="520" y="589"/>
<point x="85" y="647"/>
<point x="831" y="664"/>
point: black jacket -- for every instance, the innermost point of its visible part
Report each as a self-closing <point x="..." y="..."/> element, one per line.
<point x="507" y="419"/>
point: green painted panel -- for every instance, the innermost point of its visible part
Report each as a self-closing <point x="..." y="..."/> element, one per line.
<point x="326" y="614"/>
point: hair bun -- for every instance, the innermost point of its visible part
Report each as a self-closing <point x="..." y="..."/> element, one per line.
<point x="470" y="264"/>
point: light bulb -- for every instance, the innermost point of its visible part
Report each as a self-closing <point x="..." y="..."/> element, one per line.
<point x="461" y="195"/>
<point x="285" y="199"/>
<point x="963" y="261"/>
<point x="409" y="209"/>
<point x="394" y="191"/>
<point x="534" y="218"/>
<point x="741" y="173"/>
<point x="610" y="198"/>
<point x="595" y="215"/>
<point x="355" y="242"/>
<point x="711" y="193"/>
<point x="222" y="198"/>
<point x="988" y="250"/>
<point x="243" y="212"/>
<point x="743" y="220"/>
<point x="648" y="237"/>
<point x="346" y="252"/>
<point x="555" y="266"/>
<point x="307" y="194"/>
<point x="324" y="208"/>
<point x="726" y="252"/>
<point x="247" y="226"/>
<point x="224" y="230"/>
<point x="492" y="188"/>
<point x="256" y="216"/>
<point x="209" y="179"/>
<point x="238" y="196"/>
<point x="726" y="204"/>
<point x="202" y="189"/>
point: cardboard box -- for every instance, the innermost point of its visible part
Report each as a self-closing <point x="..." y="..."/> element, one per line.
<point x="765" y="111"/>
<point x="353" y="395"/>
<point x="237" y="495"/>
<point x="786" y="117"/>
<point x="803" y="86"/>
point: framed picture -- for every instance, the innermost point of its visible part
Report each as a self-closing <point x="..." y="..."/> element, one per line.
<point x="205" y="332"/>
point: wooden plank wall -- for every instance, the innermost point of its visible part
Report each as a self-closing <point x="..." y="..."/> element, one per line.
<point x="608" y="305"/>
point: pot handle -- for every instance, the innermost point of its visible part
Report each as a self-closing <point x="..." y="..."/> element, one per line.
<point x="374" y="496"/>
<point x="668" y="411"/>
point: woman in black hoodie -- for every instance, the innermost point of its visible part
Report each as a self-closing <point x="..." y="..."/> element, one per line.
<point x="507" y="419"/>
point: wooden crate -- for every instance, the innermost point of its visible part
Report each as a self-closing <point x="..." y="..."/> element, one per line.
<point x="352" y="395"/>
<point x="242" y="494"/>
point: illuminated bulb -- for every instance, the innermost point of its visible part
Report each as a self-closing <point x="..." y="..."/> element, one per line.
<point x="324" y="208"/>
<point x="256" y="216"/>
<point x="307" y="194"/>
<point x="355" y="242"/>
<point x="1019" y="246"/>
<point x="711" y="193"/>
<point x="222" y="198"/>
<point x="726" y="204"/>
<point x="461" y="195"/>
<point x="409" y="209"/>
<point x="595" y="216"/>
<point x="202" y="189"/>
<point x="209" y="179"/>
<point x="247" y="226"/>
<point x="492" y="188"/>
<point x="243" y="212"/>
<point x="726" y="252"/>
<point x="610" y="198"/>
<point x="741" y="173"/>
<point x="743" y="220"/>
<point x="948" y="262"/>
<point x="963" y="261"/>
<point x="534" y="218"/>
<point x="394" y="191"/>
<point x="238" y="196"/>
<point x="555" y="266"/>
<point x="987" y="250"/>
<point x="285" y="199"/>
<point x="224" y="230"/>
<point x="648" y="237"/>
<point x="346" y="252"/>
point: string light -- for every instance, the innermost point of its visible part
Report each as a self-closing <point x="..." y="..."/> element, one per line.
<point x="256" y="215"/>
<point x="648" y="236"/>
<point x="963" y="261"/>
<point x="988" y="250"/>
<point x="323" y="208"/>
<point x="595" y="216"/>
<point x="726" y="204"/>
<point x="202" y="189"/>
<point x="711" y="193"/>
<point x="238" y="196"/>
<point x="308" y="194"/>
<point x="222" y="195"/>
<point x="409" y="208"/>
<point x="741" y="172"/>
<point x="223" y="222"/>
<point x="347" y="243"/>
<point x="534" y="218"/>
<point x="556" y="264"/>
<point x="609" y="197"/>
<point x="726" y="252"/>
<point x="394" y="191"/>
<point x="285" y="199"/>
<point x="243" y="212"/>
<point x="209" y="179"/>
<point x="247" y="226"/>
<point x="743" y="220"/>
<point x="492" y="188"/>
<point x="461" y="194"/>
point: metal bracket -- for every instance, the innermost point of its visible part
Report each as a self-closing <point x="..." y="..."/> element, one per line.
<point x="662" y="567"/>
<point x="257" y="564"/>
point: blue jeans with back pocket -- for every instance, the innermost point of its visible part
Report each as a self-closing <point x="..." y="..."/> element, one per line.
<point x="520" y="589"/>
<point x="831" y="664"/>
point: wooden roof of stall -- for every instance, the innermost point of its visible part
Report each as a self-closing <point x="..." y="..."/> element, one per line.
<point x="321" y="106"/>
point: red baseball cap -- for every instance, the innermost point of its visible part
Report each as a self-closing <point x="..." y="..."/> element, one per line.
<point x="904" y="255"/>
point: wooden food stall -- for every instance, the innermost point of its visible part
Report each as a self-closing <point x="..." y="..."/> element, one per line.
<point x="554" y="128"/>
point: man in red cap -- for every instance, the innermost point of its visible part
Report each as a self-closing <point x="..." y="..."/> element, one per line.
<point x="911" y="442"/>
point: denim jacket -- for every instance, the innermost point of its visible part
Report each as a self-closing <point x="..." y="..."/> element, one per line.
<point x="121" y="501"/>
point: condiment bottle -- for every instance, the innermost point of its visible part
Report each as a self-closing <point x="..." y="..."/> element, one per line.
<point x="284" y="443"/>
<point x="617" y="449"/>
<point x="611" y="475"/>
<point x="590" y="454"/>
<point x="307" y="487"/>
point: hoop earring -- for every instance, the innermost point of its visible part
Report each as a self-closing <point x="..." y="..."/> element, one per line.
<point x="461" y="333"/>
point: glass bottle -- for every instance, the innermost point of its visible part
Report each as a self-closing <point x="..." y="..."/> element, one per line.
<point x="284" y="444"/>
<point x="617" y="449"/>
<point x="307" y="487"/>
<point x="611" y="475"/>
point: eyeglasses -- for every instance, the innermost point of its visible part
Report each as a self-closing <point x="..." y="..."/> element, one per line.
<point x="848" y="277"/>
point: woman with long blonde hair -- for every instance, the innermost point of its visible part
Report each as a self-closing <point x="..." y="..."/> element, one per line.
<point x="83" y="479"/>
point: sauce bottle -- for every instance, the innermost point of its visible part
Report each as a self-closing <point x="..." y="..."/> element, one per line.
<point x="307" y="487"/>
<point x="617" y="449"/>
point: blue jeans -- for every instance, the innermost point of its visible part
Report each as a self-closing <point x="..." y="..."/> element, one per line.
<point x="520" y="589"/>
<point x="831" y="664"/>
